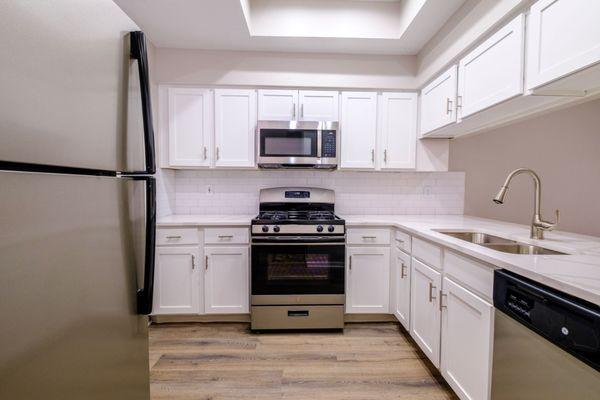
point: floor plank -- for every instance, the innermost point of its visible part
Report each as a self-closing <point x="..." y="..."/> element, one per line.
<point x="220" y="361"/>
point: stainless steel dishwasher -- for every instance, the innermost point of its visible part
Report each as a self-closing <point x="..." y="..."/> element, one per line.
<point x="546" y="343"/>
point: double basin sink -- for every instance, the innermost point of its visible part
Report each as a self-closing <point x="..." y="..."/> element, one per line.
<point x="499" y="243"/>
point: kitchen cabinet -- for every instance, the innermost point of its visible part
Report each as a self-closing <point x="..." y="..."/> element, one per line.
<point x="563" y="37"/>
<point x="467" y="341"/>
<point x="493" y="71"/>
<point x="358" y="127"/>
<point x="303" y="105"/>
<point x="235" y="127"/>
<point x="401" y="284"/>
<point x="177" y="280"/>
<point x="367" y="279"/>
<point x="438" y="101"/>
<point x="318" y="105"/>
<point x="397" y="131"/>
<point x="190" y="127"/>
<point x="226" y="280"/>
<point x="424" y="309"/>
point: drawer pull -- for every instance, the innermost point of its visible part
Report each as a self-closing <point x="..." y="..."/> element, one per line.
<point x="442" y="306"/>
<point x="399" y="240"/>
<point x="206" y="262"/>
<point x="369" y="237"/>
<point x="174" y="237"/>
<point x="225" y="236"/>
<point x="193" y="261"/>
<point x="403" y="271"/>
<point x="431" y="290"/>
<point x="350" y="263"/>
<point x="298" y="313"/>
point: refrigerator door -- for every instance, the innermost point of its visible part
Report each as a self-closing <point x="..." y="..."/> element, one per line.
<point x="71" y="93"/>
<point x="69" y="288"/>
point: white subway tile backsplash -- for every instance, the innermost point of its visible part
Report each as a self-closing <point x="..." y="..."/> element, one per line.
<point x="236" y="192"/>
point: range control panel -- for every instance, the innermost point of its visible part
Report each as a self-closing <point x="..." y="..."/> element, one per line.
<point x="328" y="144"/>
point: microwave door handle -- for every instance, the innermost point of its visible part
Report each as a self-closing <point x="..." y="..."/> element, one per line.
<point x="145" y="295"/>
<point x="138" y="51"/>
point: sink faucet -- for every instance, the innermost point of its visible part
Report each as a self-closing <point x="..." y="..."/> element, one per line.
<point x="538" y="225"/>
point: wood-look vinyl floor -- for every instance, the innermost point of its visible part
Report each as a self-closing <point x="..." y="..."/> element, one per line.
<point x="203" y="361"/>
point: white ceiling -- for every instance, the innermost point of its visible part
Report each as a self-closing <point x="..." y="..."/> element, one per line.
<point x="400" y="27"/>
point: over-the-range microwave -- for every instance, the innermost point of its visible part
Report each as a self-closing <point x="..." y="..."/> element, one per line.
<point x="298" y="144"/>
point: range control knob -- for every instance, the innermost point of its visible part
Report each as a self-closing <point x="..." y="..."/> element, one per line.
<point x="320" y="228"/>
<point x="330" y="228"/>
<point x="265" y="228"/>
<point x="275" y="229"/>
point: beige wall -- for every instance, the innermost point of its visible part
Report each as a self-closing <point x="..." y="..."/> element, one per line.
<point x="563" y="147"/>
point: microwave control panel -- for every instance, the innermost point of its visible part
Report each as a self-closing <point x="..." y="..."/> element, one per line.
<point x="328" y="144"/>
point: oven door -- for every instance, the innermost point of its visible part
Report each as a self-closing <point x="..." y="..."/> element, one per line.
<point x="295" y="269"/>
<point x="287" y="146"/>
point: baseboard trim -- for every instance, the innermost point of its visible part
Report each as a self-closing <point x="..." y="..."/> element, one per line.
<point x="350" y="318"/>
<point x="169" y="319"/>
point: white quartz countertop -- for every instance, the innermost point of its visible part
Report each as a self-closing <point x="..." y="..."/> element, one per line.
<point x="577" y="273"/>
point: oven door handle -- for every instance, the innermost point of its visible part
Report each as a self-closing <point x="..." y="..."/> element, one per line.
<point x="299" y="244"/>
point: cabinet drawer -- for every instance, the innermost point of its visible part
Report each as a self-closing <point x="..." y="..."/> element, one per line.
<point x="368" y="236"/>
<point x="475" y="275"/>
<point x="427" y="252"/>
<point x="226" y="235"/>
<point x="402" y="241"/>
<point x="170" y="236"/>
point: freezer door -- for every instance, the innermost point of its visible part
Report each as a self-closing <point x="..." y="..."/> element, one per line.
<point x="71" y="92"/>
<point x="69" y="286"/>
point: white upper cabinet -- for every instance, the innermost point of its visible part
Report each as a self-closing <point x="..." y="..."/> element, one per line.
<point x="226" y="280"/>
<point x="177" y="285"/>
<point x="397" y="131"/>
<point x="318" y="105"/>
<point x="424" y="309"/>
<point x="492" y="72"/>
<point x="563" y="36"/>
<point x="368" y="280"/>
<point x="467" y="342"/>
<point x="190" y="127"/>
<point x="358" y="130"/>
<point x="438" y="101"/>
<point x="235" y="126"/>
<point x="277" y="105"/>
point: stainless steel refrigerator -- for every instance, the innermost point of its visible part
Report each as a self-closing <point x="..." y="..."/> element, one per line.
<point x="77" y="202"/>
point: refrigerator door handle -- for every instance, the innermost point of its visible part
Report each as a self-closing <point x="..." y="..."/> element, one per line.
<point x="139" y="52"/>
<point x="145" y="295"/>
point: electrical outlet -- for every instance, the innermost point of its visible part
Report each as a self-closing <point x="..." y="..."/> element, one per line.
<point x="427" y="190"/>
<point x="209" y="189"/>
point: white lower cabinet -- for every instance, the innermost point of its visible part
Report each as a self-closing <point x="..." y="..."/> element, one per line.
<point x="424" y="309"/>
<point x="401" y="284"/>
<point x="367" y="280"/>
<point x="226" y="280"/>
<point x="466" y="341"/>
<point x="177" y="280"/>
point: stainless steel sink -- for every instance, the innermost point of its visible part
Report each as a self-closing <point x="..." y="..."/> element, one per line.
<point x="499" y="243"/>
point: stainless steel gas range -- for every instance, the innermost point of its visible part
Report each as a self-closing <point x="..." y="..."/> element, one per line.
<point x="298" y="261"/>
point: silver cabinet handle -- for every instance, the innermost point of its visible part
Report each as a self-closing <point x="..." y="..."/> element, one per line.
<point x="458" y="102"/>
<point x="205" y="153"/>
<point x="442" y="306"/>
<point x="302" y="110"/>
<point x="431" y="290"/>
<point x="448" y="106"/>
<point x="369" y="237"/>
<point x="293" y="111"/>
<point x="350" y="263"/>
<point x="225" y="236"/>
<point x="399" y="240"/>
<point x="206" y="262"/>
<point x="372" y="155"/>
<point x="403" y="271"/>
<point x="174" y="237"/>
<point x="193" y="261"/>
<point x="217" y="152"/>
<point x="385" y="156"/>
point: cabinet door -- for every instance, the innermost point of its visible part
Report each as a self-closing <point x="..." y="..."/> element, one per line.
<point x="438" y="102"/>
<point x="277" y="105"/>
<point x="226" y="280"/>
<point x="493" y="72"/>
<point x="358" y="129"/>
<point x="424" y="309"/>
<point x="368" y="280"/>
<point x="467" y="341"/>
<point x="190" y="127"/>
<point x="563" y="36"/>
<point x="235" y="127"/>
<point x="318" y="105"/>
<point x="401" y="286"/>
<point x="176" y="280"/>
<point x="398" y="130"/>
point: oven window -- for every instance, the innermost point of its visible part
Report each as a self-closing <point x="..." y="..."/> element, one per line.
<point x="298" y="269"/>
<point x="288" y="143"/>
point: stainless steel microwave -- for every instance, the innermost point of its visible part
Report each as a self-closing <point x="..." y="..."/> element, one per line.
<point x="298" y="144"/>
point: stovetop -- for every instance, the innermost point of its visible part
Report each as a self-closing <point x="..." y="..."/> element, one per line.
<point x="298" y="217"/>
